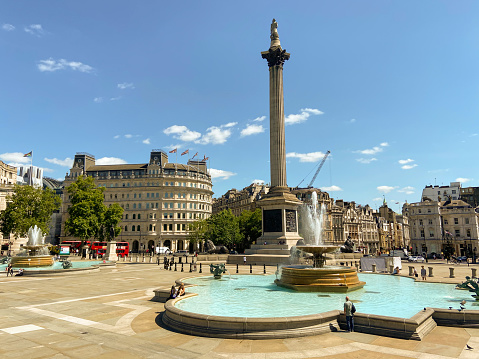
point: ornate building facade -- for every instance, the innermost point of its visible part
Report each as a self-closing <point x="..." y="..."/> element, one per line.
<point x="8" y="178"/>
<point x="160" y="199"/>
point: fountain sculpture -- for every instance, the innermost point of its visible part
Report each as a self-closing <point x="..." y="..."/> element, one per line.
<point x="318" y="277"/>
<point x="217" y="270"/>
<point x="35" y="253"/>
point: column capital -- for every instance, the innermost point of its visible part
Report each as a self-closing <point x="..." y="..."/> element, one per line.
<point x="275" y="56"/>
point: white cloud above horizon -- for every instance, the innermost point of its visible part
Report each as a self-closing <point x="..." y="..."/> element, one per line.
<point x="51" y="65"/>
<point x="125" y="85"/>
<point x="303" y="116"/>
<point x="331" y="189"/>
<point x="386" y="189"/>
<point x="306" y="157"/>
<point x="403" y="162"/>
<point x="110" y="161"/>
<point x="407" y="190"/>
<point x="259" y="119"/>
<point x="182" y="133"/>
<point x="8" y="27"/>
<point x="34" y="29"/>
<point x="67" y="162"/>
<point x="216" y="135"/>
<point x="408" y="167"/>
<point x="220" y="174"/>
<point x="146" y="141"/>
<point x="98" y="99"/>
<point x="374" y="150"/>
<point x="258" y="181"/>
<point x="14" y="157"/>
<point x="463" y="179"/>
<point x="252" y="129"/>
<point x="366" y="160"/>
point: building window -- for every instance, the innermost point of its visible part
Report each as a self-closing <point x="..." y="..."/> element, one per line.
<point x="467" y="220"/>
<point x="431" y="234"/>
<point x="420" y="222"/>
<point x="170" y="227"/>
<point x="132" y="228"/>
<point x="126" y="216"/>
<point x="178" y="227"/>
<point x="468" y="233"/>
<point x="165" y="215"/>
<point x="456" y="220"/>
<point x="422" y="233"/>
<point x="458" y="233"/>
<point x="138" y="228"/>
<point x="445" y="221"/>
<point x="165" y="226"/>
<point x="126" y="228"/>
<point x="430" y="221"/>
<point x="139" y="216"/>
<point x="419" y="211"/>
<point x="453" y="191"/>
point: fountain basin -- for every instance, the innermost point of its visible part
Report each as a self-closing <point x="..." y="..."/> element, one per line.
<point x="326" y="279"/>
<point x="32" y="261"/>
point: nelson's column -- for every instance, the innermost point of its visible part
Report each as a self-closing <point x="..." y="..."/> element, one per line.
<point x="279" y="206"/>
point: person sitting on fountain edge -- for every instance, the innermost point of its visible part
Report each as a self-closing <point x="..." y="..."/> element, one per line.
<point x="173" y="293"/>
<point x="181" y="290"/>
<point x="396" y="271"/>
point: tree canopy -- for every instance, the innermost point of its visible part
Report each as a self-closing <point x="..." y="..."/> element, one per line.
<point x="88" y="216"/>
<point x="250" y="227"/>
<point x="26" y="207"/>
<point x="223" y="229"/>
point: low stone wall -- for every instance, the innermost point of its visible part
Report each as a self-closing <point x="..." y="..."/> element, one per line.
<point x="453" y="318"/>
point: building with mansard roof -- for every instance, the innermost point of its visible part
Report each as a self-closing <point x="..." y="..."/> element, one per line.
<point x="160" y="199"/>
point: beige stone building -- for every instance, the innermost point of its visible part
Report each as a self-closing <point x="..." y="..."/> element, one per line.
<point x="433" y="224"/>
<point x="160" y="199"/>
<point x="239" y="201"/>
<point x="8" y="178"/>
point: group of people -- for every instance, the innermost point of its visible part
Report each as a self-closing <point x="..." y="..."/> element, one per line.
<point x="9" y="270"/>
<point x="175" y="293"/>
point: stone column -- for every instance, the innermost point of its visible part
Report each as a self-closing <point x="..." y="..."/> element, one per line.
<point x="430" y="271"/>
<point x="411" y="271"/>
<point x="474" y="272"/>
<point x="451" y="272"/>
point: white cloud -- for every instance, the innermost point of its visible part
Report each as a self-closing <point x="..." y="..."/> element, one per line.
<point x="220" y="174"/>
<point x="98" y="99"/>
<point x="353" y="120"/>
<point x="407" y="190"/>
<point x="116" y="137"/>
<point x="172" y="147"/>
<point x="214" y="135"/>
<point x="252" y="130"/>
<point x="306" y="157"/>
<point x="110" y="161"/>
<point x="374" y="150"/>
<point x="182" y="133"/>
<point x="366" y="160"/>
<point x="386" y="189"/>
<point x="301" y="117"/>
<point x="463" y="180"/>
<point x="115" y="98"/>
<point x="125" y="86"/>
<point x="67" y="162"/>
<point x="34" y="29"/>
<point x="8" y="27"/>
<point x="408" y="167"/>
<point x="128" y="135"/>
<point x="473" y="135"/>
<point x="377" y="199"/>
<point x="230" y="124"/>
<point x="331" y="189"/>
<point x="14" y="157"/>
<point x="403" y="162"/>
<point x="146" y="141"/>
<point x="49" y="170"/>
<point x="52" y="65"/>
<point x="258" y="181"/>
<point x="259" y="119"/>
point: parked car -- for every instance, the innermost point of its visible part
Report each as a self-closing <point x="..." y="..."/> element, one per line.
<point x="233" y="252"/>
<point x="415" y="259"/>
<point x="462" y="259"/>
<point x="181" y="253"/>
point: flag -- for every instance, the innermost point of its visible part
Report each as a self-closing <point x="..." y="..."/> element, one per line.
<point x="29" y="154"/>
<point x="448" y="233"/>
<point x="205" y="158"/>
<point x="196" y="154"/>
<point x="184" y="153"/>
<point x="173" y="151"/>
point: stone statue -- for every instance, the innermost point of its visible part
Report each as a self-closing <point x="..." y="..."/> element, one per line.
<point x="66" y="264"/>
<point x="348" y="246"/>
<point x="471" y="285"/>
<point x="217" y="270"/>
<point x="274" y="34"/>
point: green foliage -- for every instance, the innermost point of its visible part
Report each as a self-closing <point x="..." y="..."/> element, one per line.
<point x="250" y="227"/>
<point x="223" y="229"/>
<point x="26" y="207"/>
<point x="197" y="231"/>
<point x="88" y="216"/>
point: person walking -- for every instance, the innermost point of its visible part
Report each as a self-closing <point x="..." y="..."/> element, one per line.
<point x="349" y="313"/>
<point x="244" y="260"/>
<point x="423" y="273"/>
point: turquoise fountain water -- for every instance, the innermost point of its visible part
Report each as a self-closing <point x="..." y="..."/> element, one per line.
<point x="258" y="296"/>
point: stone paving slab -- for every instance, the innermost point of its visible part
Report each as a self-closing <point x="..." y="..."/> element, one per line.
<point x="108" y="314"/>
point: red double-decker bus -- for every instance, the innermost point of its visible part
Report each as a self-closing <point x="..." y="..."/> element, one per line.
<point x="99" y="248"/>
<point x="76" y="244"/>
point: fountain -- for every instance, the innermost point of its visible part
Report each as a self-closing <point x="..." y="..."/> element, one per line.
<point x="35" y="253"/>
<point x="318" y="277"/>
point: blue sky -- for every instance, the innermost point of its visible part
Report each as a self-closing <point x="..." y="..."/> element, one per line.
<point x="389" y="87"/>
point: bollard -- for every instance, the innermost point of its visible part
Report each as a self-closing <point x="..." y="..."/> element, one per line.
<point x="374" y="268"/>
<point x="357" y="267"/>
<point x="151" y="259"/>
<point x="251" y="268"/>
<point x="430" y="272"/>
<point x="182" y="267"/>
<point x="277" y="267"/>
<point x="236" y="268"/>
<point x="175" y="267"/>
<point x="179" y="259"/>
<point x="131" y="258"/>
<point x="451" y="273"/>
<point x="200" y="269"/>
<point x="474" y="272"/>
<point x="144" y="260"/>
<point x="186" y="259"/>
<point x="171" y="266"/>
<point x="264" y="268"/>
<point x="411" y="271"/>
<point x="191" y="269"/>
<point x="391" y="269"/>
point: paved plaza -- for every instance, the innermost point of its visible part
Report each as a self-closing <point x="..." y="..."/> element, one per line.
<point x="109" y="314"/>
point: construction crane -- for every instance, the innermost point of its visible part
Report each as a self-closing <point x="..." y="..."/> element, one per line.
<point x="319" y="169"/>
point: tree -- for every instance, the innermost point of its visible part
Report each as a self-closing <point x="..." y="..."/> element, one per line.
<point x="250" y="227"/>
<point x="197" y="232"/>
<point x="88" y="216"/>
<point x="223" y="229"/>
<point x="26" y="207"/>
